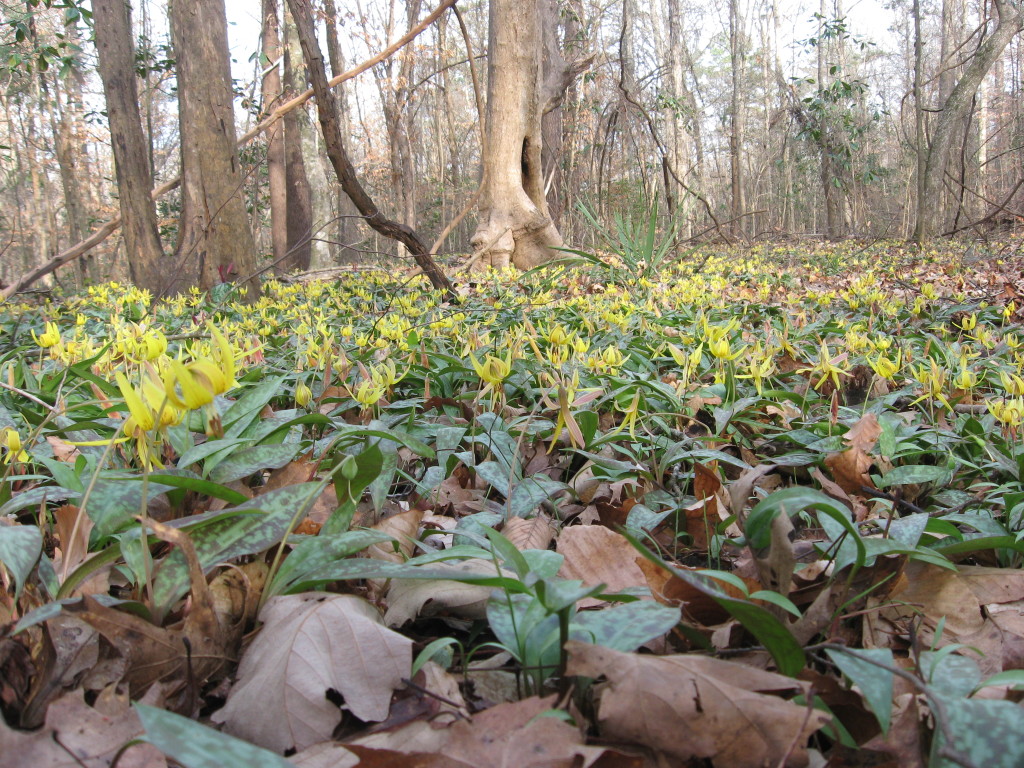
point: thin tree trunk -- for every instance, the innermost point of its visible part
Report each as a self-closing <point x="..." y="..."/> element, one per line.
<point x="300" y="203"/>
<point x="930" y="213"/>
<point x="515" y="227"/>
<point x="328" y="112"/>
<point x="277" y="185"/>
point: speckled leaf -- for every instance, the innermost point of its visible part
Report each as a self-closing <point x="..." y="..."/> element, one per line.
<point x="624" y="627"/>
<point x="20" y="547"/>
<point x="233" y="537"/>
<point x="113" y="504"/>
<point x="251" y="460"/>
<point x="863" y="668"/>
<point x="196" y="746"/>
<point x="986" y="732"/>
<point x="316" y="552"/>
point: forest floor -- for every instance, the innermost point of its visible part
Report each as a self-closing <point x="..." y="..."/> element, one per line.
<point x="757" y="507"/>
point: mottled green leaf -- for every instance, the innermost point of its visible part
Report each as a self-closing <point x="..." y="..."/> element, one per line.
<point x="316" y="552"/>
<point x="20" y="547"/>
<point x="249" y="461"/>
<point x="866" y="669"/>
<point x="196" y="746"/>
<point x="624" y="627"/>
<point x="228" y="538"/>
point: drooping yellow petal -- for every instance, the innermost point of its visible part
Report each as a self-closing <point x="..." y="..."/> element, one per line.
<point x="141" y="416"/>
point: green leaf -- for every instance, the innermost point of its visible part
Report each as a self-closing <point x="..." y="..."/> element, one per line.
<point x="20" y="548"/>
<point x="873" y="680"/>
<point x="316" y="552"/>
<point x="432" y="651"/>
<point x="913" y="473"/>
<point x="113" y="503"/>
<point x="247" y="407"/>
<point x="182" y="478"/>
<point x="530" y="492"/>
<point x="249" y="461"/>
<point x="196" y="746"/>
<point x="367" y="568"/>
<point x="624" y="627"/>
<point x="496" y="476"/>
<point x="235" y="536"/>
<point x="985" y="732"/>
<point x="207" y="449"/>
<point x="1011" y="677"/>
<point x="349" y="490"/>
<point x="770" y="632"/>
<point x="951" y="675"/>
<point x="33" y="497"/>
<point x="507" y="551"/>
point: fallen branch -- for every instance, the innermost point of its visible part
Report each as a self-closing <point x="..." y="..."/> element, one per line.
<point x="105" y="231"/>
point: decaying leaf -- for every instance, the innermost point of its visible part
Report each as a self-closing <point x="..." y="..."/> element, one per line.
<point x="981" y="608"/>
<point x="850" y="467"/>
<point x="311" y="644"/>
<point x="518" y="735"/>
<point x="76" y="735"/>
<point x="597" y="555"/>
<point x="698" y="707"/>
<point x="409" y="598"/>
<point x="529" y="533"/>
<point x="403" y="527"/>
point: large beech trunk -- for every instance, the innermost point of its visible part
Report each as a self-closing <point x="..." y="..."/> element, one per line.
<point x="515" y="226"/>
<point x="146" y="261"/>
<point x="215" y="243"/>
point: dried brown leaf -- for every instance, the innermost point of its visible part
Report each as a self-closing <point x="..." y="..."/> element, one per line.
<point x="76" y="735"/>
<point x="865" y="433"/>
<point x="310" y="644"/>
<point x="410" y="598"/>
<point x="517" y="735"/>
<point x="697" y="707"/>
<point x="597" y="555"/>
<point x="850" y="469"/>
<point x="529" y="533"/>
<point x="403" y="527"/>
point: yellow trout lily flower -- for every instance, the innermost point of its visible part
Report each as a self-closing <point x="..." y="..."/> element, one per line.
<point x="493" y="371"/>
<point x="11" y="440"/>
<point x="199" y="382"/>
<point x="49" y="338"/>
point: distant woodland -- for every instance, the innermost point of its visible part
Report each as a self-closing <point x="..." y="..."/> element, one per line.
<point x="503" y="130"/>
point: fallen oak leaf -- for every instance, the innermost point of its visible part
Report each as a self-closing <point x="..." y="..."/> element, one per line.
<point x="311" y="644"/>
<point x="409" y="598"/>
<point x="76" y="735"/>
<point x="689" y="706"/>
<point x="598" y="555"/>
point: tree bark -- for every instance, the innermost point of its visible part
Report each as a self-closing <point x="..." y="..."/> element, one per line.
<point x="146" y="261"/>
<point x="300" y="203"/>
<point x="277" y="185"/>
<point x="515" y="227"/>
<point x="736" y="140"/>
<point x="215" y="243"/>
<point x="327" y="110"/>
<point x="929" y="210"/>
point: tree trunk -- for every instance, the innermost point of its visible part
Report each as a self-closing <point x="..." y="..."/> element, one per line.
<point x="146" y="262"/>
<point x="215" y="243"/>
<point x="736" y="110"/>
<point x="514" y="226"/>
<point x="327" y="109"/>
<point x="277" y="185"/>
<point x="348" y="231"/>
<point x="929" y="210"/>
<point x="300" y="204"/>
